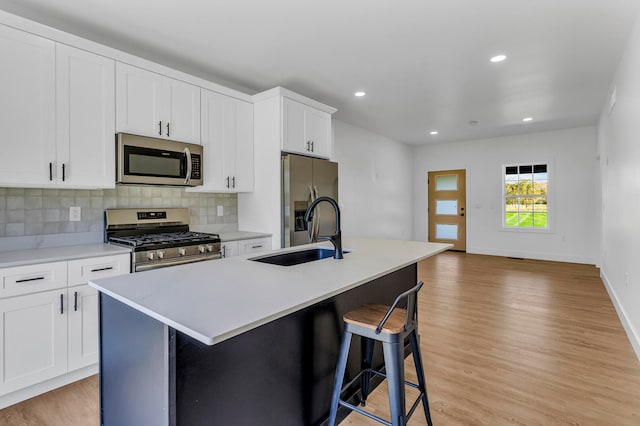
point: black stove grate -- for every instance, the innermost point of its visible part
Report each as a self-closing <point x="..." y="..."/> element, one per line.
<point x="165" y="238"/>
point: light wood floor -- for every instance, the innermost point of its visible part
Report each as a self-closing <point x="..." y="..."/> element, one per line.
<point x="504" y="342"/>
<point x="520" y="342"/>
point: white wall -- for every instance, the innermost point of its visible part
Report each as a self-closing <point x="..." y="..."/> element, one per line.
<point x="619" y="150"/>
<point x="571" y="154"/>
<point x="375" y="186"/>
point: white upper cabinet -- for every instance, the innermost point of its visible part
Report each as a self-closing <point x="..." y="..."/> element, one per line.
<point x="86" y="118"/>
<point x="151" y="104"/>
<point x="27" y="108"/>
<point x="56" y="114"/>
<point x="227" y="139"/>
<point x="306" y="130"/>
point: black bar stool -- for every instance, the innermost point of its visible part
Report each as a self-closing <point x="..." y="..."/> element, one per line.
<point x="389" y="325"/>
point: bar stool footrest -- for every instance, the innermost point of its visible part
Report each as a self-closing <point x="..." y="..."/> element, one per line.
<point x="368" y="414"/>
<point x="363" y="412"/>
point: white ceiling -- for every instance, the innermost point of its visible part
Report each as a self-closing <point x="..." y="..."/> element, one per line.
<point x="424" y="64"/>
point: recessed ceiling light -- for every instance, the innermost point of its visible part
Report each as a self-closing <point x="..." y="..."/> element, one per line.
<point x="359" y="94"/>
<point x="527" y="119"/>
<point x="498" y="58"/>
<point x="433" y="132"/>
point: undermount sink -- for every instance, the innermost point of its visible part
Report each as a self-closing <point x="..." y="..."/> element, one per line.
<point x="297" y="257"/>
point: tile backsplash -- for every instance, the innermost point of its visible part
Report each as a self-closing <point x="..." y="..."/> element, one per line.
<point x="25" y="212"/>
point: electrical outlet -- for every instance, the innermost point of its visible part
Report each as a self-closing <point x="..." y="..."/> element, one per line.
<point x="74" y="214"/>
<point x="626" y="279"/>
<point x="220" y="211"/>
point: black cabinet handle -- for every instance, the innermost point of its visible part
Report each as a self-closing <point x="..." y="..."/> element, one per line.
<point x="50" y="171"/>
<point x="233" y="179"/>
<point x="160" y="127"/>
<point x="62" y="304"/>
<point x="25" y="280"/>
<point x="63" y="172"/>
<point x="168" y="129"/>
<point x="312" y="150"/>
<point x="108" y="268"/>
<point x="258" y="246"/>
<point x="75" y="300"/>
<point x="227" y="181"/>
<point x="308" y="145"/>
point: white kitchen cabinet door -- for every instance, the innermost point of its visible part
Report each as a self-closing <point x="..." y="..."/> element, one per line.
<point x="229" y="248"/>
<point x="183" y="119"/>
<point x="244" y="147"/>
<point x="27" y="108"/>
<point x="86" y="119"/>
<point x="140" y="101"/>
<point x="306" y="130"/>
<point x="318" y="131"/>
<point x="293" y="136"/>
<point x="33" y="339"/>
<point x="151" y="104"/>
<point x="83" y="326"/>
<point x="227" y="140"/>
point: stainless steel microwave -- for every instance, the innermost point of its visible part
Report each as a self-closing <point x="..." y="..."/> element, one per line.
<point x="152" y="161"/>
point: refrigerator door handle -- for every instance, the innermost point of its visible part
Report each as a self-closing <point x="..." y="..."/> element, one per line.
<point x="311" y="228"/>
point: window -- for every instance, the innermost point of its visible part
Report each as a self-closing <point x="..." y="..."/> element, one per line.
<point x="526" y="196"/>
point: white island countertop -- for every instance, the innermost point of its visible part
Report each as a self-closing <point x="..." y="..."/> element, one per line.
<point x="215" y="300"/>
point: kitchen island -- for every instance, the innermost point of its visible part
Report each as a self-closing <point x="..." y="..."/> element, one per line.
<point x="235" y="341"/>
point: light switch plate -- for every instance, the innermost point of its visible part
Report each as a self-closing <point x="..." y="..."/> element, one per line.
<point x="220" y="211"/>
<point x="75" y="214"/>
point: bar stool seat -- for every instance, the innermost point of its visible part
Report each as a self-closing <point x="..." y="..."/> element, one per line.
<point x="390" y="325"/>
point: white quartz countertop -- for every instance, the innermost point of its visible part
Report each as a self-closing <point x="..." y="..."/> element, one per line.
<point x="58" y="254"/>
<point x="215" y="300"/>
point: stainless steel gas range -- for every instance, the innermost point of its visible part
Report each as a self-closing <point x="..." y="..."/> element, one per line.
<point x="159" y="237"/>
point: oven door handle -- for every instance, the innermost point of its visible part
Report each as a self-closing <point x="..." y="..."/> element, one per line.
<point x="187" y="153"/>
<point x="154" y="265"/>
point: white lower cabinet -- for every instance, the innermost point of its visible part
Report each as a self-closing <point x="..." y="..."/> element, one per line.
<point x="255" y="245"/>
<point x="33" y="335"/>
<point x="46" y="333"/>
<point x="82" y="327"/>
<point x="239" y="247"/>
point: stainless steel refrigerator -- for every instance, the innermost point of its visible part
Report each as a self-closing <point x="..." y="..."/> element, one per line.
<point x="303" y="180"/>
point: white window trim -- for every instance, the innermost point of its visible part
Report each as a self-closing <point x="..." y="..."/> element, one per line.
<point x="551" y="202"/>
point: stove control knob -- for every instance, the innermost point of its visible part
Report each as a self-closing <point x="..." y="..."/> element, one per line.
<point x="202" y="249"/>
<point x="209" y="248"/>
<point x="160" y="255"/>
<point x="151" y="255"/>
<point x="182" y="251"/>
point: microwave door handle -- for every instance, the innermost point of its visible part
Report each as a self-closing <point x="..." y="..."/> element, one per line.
<point x="187" y="153"/>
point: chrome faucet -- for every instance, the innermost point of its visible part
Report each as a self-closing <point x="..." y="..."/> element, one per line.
<point x="335" y="239"/>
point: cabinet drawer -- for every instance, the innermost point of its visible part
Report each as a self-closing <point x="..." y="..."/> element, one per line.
<point x="32" y="278"/>
<point x="255" y="245"/>
<point x="82" y="271"/>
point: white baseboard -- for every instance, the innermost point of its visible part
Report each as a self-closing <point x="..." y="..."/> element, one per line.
<point x="633" y="336"/>
<point x="556" y="257"/>
<point x="40" y="388"/>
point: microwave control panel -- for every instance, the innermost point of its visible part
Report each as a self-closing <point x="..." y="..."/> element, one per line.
<point x="195" y="166"/>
